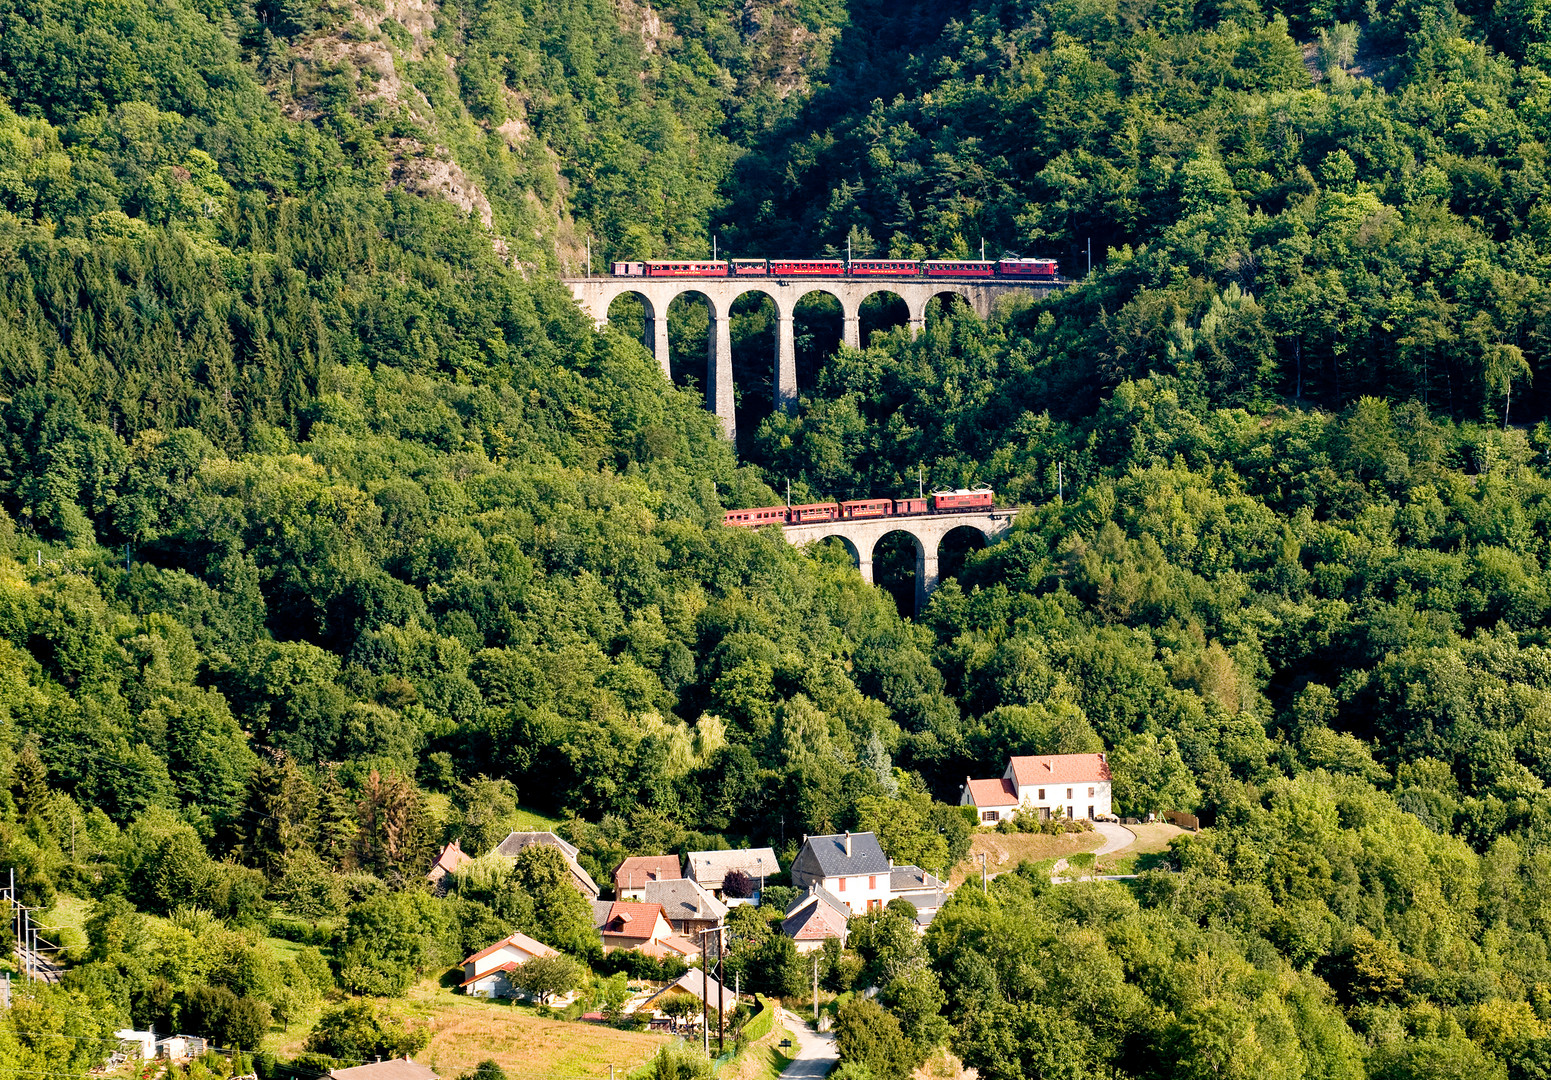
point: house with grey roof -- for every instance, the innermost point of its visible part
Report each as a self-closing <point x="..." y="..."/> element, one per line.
<point x="710" y="868"/>
<point x="925" y="891"/>
<point x="515" y="842"/>
<point x="689" y="907"/>
<point x="851" y="866"/>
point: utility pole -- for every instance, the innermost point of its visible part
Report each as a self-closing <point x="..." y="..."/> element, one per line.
<point x="705" y="1019"/>
<point x="713" y="247"/>
<point x="983" y="877"/>
<point x="982" y="249"/>
<point x="1090" y="254"/>
<point x="721" y="992"/>
<point x="1060" y="490"/>
<point x="588" y="271"/>
<point x="815" y="989"/>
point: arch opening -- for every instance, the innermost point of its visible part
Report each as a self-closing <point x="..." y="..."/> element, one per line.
<point x="897" y="560"/>
<point x="838" y="550"/>
<point x="955" y="549"/>
<point x="882" y="310"/>
<point x="946" y="305"/>
<point x="754" y="324"/>
<point x="632" y="313"/>
<point x="689" y="327"/>
<point x="818" y="322"/>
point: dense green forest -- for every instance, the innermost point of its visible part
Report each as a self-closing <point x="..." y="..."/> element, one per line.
<point x="333" y="530"/>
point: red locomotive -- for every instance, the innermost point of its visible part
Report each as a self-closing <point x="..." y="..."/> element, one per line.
<point x="962" y="501"/>
<point x="1037" y="268"/>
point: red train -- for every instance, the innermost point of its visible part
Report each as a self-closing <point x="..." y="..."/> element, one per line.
<point x="962" y="501"/>
<point x="1047" y="269"/>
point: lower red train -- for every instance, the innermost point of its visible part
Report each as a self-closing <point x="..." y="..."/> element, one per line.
<point x="962" y="501"/>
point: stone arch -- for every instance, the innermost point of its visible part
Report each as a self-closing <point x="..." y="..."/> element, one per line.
<point x="744" y="322"/>
<point x="718" y="347"/>
<point x="948" y="294"/>
<point x="951" y="557"/>
<point x="925" y="559"/>
<point x="901" y="304"/>
<point x="820" y="326"/>
<point x="654" y="324"/>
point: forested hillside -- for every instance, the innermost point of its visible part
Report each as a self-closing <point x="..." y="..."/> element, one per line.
<point x="332" y="530"/>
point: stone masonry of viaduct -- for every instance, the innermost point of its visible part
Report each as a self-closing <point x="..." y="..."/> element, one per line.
<point x="595" y="294"/>
<point x="927" y="530"/>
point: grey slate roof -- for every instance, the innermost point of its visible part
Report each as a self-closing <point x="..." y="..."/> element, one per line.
<point x="822" y="894"/>
<point x="826" y="856"/>
<point x="679" y="897"/>
<point x="516" y="841"/>
<point x="913" y="879"/>
<point x="710" y="868"/>
<point x="600" y="913"/>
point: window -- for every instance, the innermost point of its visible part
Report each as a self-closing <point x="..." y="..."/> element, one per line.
<point x="1068" y="793"/>
<point x="1090" y="793"/>
<point x="1041" y="794"/>
<point x="872" y="881"/>
<point x="842" y="884"/>
<point x="989" y="815"/>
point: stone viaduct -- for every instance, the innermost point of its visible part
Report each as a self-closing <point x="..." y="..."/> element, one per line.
<point x="927" y="530"/>
<point x="595" y="294"/>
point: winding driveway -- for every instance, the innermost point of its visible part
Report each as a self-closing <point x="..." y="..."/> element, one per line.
<point x="816" y="1053"/>
<point x="1116" y="837"/>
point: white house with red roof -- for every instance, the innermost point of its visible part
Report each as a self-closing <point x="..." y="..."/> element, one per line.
<point x="486" y="973"/>
<point x="1075" y="786"/>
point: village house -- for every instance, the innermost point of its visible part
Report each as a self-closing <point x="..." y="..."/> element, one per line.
<point x="633" y="874"/>
<point x="926" y="892"/>
<point x="689" y="907"/>
<point x="699" y="987"/>
<point x="815" y="917"/>
<point x="516" y="841"/>
<point x="851" y="866"/>
<point x="1072" y="786"/>
<point x="451" y="857"/>
<point x="643" y="928"/>
<point x="487" y="973"/>
<point x="710" y="868"/>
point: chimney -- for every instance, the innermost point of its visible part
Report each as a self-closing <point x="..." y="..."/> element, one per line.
<point x="848" y="843"/>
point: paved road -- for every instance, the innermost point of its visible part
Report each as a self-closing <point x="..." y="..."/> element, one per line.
<point x="1116" y="836"/>
<point x="816" y="1053"/>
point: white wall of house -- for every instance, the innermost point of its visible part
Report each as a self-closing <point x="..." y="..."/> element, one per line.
<point x="861" y="892"/>
<point x="1076" y="800"/>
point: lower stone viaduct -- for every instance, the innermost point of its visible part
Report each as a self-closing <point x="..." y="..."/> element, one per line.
<point x="927" y="530"/>
<point x="596" y="294"/>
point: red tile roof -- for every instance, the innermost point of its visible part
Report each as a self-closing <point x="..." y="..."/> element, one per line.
<point x="630" y="918"/>
<point x="452" y="856"/>
<point x="521" y="941"/>
<point x="1059" y="769"/>
<point x="999" y="792"/>
<point x="636" y="871"/>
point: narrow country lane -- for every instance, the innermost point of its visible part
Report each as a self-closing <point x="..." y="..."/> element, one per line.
<point x="816" y="1053"/>
<point x="1116" y="837"/>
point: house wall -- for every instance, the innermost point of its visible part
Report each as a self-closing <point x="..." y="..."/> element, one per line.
<point x="861" y="892"/>
<point x="496" y="986"/>
<point x="1079" y="801"/>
